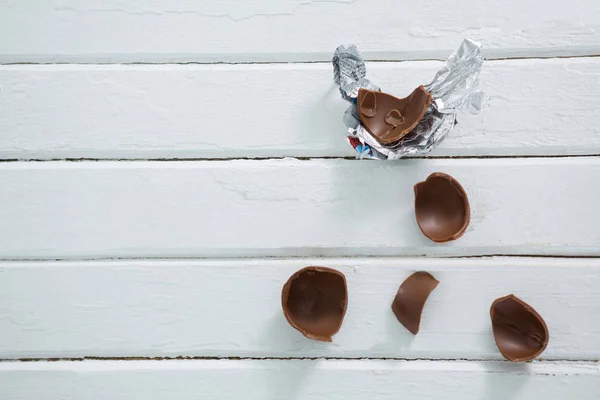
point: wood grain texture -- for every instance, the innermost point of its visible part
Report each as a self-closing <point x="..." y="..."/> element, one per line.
<point x="232" y="308"/>
<point x="288" y="30"/>
<point x="291" y="208"/>
<point x="295" y="379"/>
<point x="536" y="107"/>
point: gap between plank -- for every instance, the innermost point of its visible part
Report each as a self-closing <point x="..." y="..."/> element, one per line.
<point x="292" y="257"/>
<point x="196" y="358"/>
<point x="390" y="60"/>
<point x="203" y="159"/>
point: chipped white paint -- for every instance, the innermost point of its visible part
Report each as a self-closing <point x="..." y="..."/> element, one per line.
<point x="537" y="107"/>
<point x="291" y="208"/>
<point x="288" y="30"/>
<point x="232" y="308"/>
<point x="297" y="379"/>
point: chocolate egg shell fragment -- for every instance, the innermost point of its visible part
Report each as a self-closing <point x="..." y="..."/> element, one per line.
<point x="314" y="302"/>
<point x="389" y="118"/>
<point x="520" y="332"/>
<point x="441" y="207"/>
<point x="411" y="297"/>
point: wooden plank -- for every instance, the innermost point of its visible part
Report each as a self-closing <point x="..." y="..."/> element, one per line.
<point x="537" y="107"/>
<point x="232" y="308"/>
<point x="297" y="379"/>
<point x="292" y="30"/>
<point x="291" y="208"/>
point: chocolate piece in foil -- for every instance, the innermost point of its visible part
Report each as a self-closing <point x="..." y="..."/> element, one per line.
<point x="455" y="87"/>
<point x="381" y="116"/>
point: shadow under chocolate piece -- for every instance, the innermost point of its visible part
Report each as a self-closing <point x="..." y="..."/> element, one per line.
<point x="314" y="302"/>
<point x="389" y="118"/>
<point x="519" y="331"/>
<point x="442" y="208"/>
<point x="411" y="297"/>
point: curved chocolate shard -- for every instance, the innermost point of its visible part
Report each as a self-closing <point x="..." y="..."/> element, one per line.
<point x="411" y="297"/>
<point x="314" y="302"/>
<point x="521" y="334"/>
<point x="389" y="118"/>
<point x="442" y="208"/>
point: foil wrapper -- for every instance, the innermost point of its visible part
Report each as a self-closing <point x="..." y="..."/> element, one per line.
<point x="454" y="87"/>
<point x="349" y="72"/>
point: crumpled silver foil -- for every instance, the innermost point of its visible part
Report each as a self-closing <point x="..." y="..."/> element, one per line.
<point x="349" y="72"/>
<point x="455" y="87"/>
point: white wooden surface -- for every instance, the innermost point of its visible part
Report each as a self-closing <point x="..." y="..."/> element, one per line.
<point x="227" y="305"/>
<point x="536" y="107"/>
<point x="232" y="308"/>
<point x="288" y="30"/>
<point x="298" y="380"/>
<point x="290" y="208"/>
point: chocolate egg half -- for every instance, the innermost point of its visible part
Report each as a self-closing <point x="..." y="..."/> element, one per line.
<point x="314" y="302"/>
<point x="441" y="207"/>
<point x="519" y="331"/>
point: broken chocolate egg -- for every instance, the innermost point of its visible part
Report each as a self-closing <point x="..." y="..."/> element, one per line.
<point x="411" y="297"/>
<point x="519" y="331"/>
<point x="441" y="207"/>
<point x="389" y="118"/>
<point x="314" y="302"/>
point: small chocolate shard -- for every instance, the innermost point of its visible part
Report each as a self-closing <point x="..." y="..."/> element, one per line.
<point x="521" y="334"/>
<point x="314" y="301"/>
<point x="411" y="297"/>
<point x="368" y="104"/>
<point x="389" y="118"/>
<point x="441" y="208"/>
